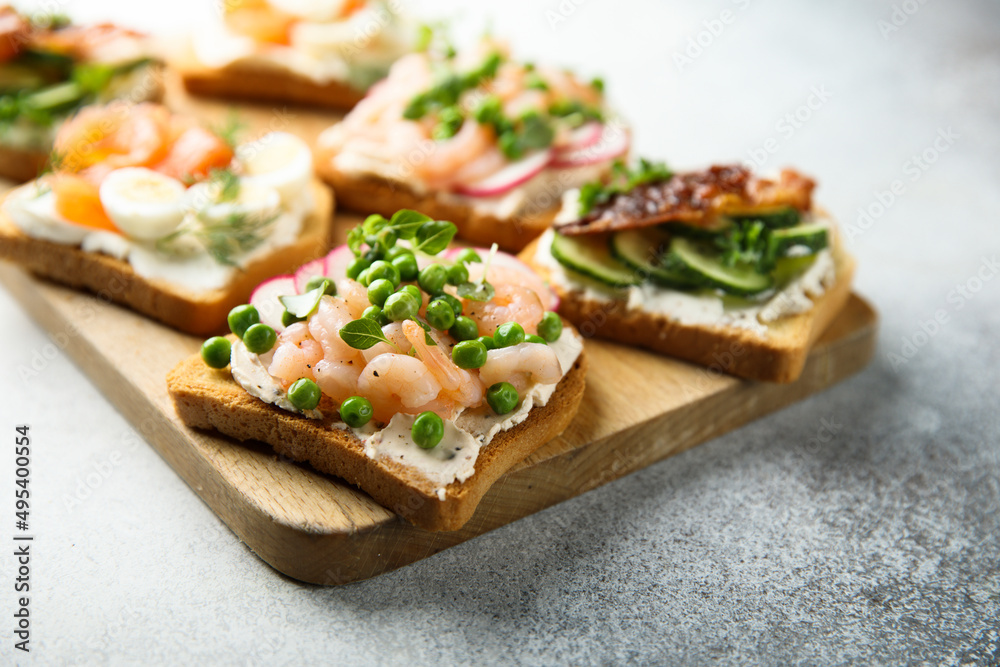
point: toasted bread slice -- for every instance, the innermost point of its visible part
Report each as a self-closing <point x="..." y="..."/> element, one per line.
<point x="778" y="356"/>
<point x="259" y="83"/>
<point x="373" y="194"/>
<point x="211" y="399"/>
<point x="194" y="312"/>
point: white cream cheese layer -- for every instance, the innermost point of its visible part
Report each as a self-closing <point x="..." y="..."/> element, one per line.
<point x="454" y="458"/>
<point x="357" y="51"/>
<point x="703" y="307"/>
<point x="32" y="209"/>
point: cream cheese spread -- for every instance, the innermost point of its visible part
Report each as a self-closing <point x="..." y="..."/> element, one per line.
<point x="454" y="458"/>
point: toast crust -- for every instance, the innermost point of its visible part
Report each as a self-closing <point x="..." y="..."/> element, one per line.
<point x="373" y="194"/>
<point x="246" y="81"/>
<point x="114" y="280"/>
<point x="777" y="357"/>
<point x="210" y="399"/>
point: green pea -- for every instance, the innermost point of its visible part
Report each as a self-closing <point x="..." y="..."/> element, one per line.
<point x="551" y="326"/>
<point x="440" y="315"/>
<point x="458" y="274"/>
<point x="355" y="268"/>
<point x="304" y="394"/>
<point x="468" y="256"/>
<point x="379" y="290"/>
<point x="374" y="254"/>
<point x="407" y="267"/>
<point x="454" y="302"/>
<point x="427" y="430"/>
<point x="383" y="270"/>
<point x="487" y="342"/>
<point x="401" y="306"/>
<point x="464" y="329"/>
<point x="356" y="411"/>
<point x="328" y="285"/>
<point x="415" y="291"/>
<point x="216" y="352"/>
<point x="432" y="279"/>
<point x="260" y="338"/>
<point x="288" y="319"/>
<point x="469" y="354"/>
<point x="363" y="277"/>
<point x="375" y="313"/>
<point x="502" y="397"/>
<point x="509" y="333"/>
<point x="397" y="251"/>
<point x="532" y="338"/>
<point x="242" y="318"/>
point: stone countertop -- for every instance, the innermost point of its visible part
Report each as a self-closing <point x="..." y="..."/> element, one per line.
<point x="860" y="525"/>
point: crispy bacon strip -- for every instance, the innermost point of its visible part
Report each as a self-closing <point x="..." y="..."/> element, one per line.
<point x="697" y="198"/>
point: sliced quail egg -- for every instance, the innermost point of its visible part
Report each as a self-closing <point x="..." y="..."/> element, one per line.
<point x="144" y="204"/>
<point x="278" y="160"/>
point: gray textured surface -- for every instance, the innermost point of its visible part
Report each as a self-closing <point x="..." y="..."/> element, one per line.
<point x="860" y="526"/>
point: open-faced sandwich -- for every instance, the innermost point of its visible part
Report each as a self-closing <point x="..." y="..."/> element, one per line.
<point x="153" y="211"/>
<point x="473" y="137"/>
<point x="720" y="267"/>
<point x="49" y="69"/>
<point x="419" y="374"/>
<point x="318" y="52"/>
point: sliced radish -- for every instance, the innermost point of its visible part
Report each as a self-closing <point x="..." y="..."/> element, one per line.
<point x="317" y="267"/>
<point x="337" y="262"/>
<point x="582" y="137"/>
<point x="510" y="176"/>
<point x="613" y="143"/>
<point x="265" y="299"/>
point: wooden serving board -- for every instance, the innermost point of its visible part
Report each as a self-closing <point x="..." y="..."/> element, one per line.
<point x="638" y="408"/>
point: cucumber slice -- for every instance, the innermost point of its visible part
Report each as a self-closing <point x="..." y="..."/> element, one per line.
<point x="776" y="219"/>
<point x="55" y="97"/>
<point x="703" y="263"/>
<point x="813" y="237"/>
<point x="592" y="257"/>
<point x="700" y="233"/>
<point x="641" y="250"/>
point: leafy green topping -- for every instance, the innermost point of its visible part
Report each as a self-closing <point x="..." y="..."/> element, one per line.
<point x="229" y="129"/>
<point x="222" y="239"/>
<point x="534" y="81"/>
<point x="447" y="91"/>
<point x="481" y="290"/>
<point x="227" y="182"/>
<point x="622" y="180"/>
<point x="574" y="112"/>
<point x="303" y="305"/>
<point x="434" y="236"/>
<point x="363" y="334"/>
<point x="746" y="243"/>
<point x="449" y="123"/>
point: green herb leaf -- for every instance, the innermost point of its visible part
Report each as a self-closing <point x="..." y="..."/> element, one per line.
<point x="434" y="236"/>
<point x="230" y="129"/>
<point x="407" y="222"/>
<point x="355" y="238"/>
<point x="363" y="334"/>
<point x="373" y="224"/>
<point x="622" y="180"/>
<point x="227" y="182"/>
<point x="427" y="333"/>
<point x="480" y="291"/>
<point x="303" y="305"/>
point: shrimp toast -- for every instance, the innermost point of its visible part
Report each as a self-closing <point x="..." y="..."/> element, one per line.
<point x="419" y="374"/>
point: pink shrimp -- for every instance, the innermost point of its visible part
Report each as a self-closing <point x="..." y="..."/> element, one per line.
<point x="500" y="274"/>
<point x="457" y="383"/>
<point x="355" y="294"/>
<point x="511" y="303"/>
<point x="446" y="157"/>
<point x="394" y="332"/>
<point x="520" y="365"/>
<point x="337" y="379"/>
<point x="324" y="326"/>
<point x="401" y="383"/>
<point x="295" y="355"/>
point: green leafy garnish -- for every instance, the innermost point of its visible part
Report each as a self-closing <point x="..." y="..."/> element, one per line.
<point x="748" y="242"/>
<point x="303" y="305"/>
<point x="229" y="129"/>
<point x="363" y="334"/>
<point x="449" y="88"/>
<point x="406" y="222"/>
<point x="227" y="182"/>
<point x="93" y="77"/>
<point x="449" y="123"/>
<point x="223" y="240"/>
<point x="622" y="180"/>
<point x="427" y="333"/>
<point x="434" y="236"/>
<point x="478" y="291"/>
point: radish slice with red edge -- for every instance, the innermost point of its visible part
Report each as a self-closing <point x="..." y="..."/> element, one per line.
<point x="506" y="264"/>
<point x="613" y="143"/>
<point x="337" y="262"/>
<point x="509" y="177"/>
<point x="582" y="137"/>
<point x="265" y="300"/>
<point x="317" y="267"/>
